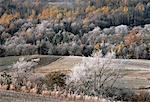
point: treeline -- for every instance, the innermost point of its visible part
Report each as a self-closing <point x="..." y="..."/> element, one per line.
<point x="53" y="39"/>
<point x="36" y="27"/>
<point x="102" y="13"/>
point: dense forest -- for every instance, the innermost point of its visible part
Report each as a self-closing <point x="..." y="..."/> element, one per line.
<point x="75" y="27"/>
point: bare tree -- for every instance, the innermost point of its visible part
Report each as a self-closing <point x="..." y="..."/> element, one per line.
<point x="94" y="75"/>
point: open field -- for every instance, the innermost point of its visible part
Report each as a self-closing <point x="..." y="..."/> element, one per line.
<point x="137" y="73"/>
<point x="6" y="62"/>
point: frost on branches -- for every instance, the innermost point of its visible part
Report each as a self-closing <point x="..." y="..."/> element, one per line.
<point x="23" y="66"/>
<point x="94" y="75"/>
<point x="23" y="69"/>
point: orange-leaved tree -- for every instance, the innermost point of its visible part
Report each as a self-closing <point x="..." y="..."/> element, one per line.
<point x="32" y="16"/>
<point x="49" y="13"/>
<point x="132" y="37"/>
<point x="7" y="18"/>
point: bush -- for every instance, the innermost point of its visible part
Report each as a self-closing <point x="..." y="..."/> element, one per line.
<point x="2" y="51"/>
<point x="122" y="94"/>
<point x="39" y="82"/>
<point x="5" y="79"/>
<point x="75" y="49"/>
<point x="55" y="79"/>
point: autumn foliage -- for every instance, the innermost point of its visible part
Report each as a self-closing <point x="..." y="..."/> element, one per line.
<point x="49" y="12"/>
<point x="7" y="18"/>
<point x="132" y="38"/>
<point x="75" y="28"/>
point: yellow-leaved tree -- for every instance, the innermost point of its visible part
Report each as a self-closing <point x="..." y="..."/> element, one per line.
<point x="90" y="9"/>
<point x="7" y="18"/>
<point x="125" y="9"/>
<point x="32" y="16"/>
<point x="49" y="13"/>
<point x="86" y="22"/>
<point x="105" y="9"/>
<point x="140" y="7"/>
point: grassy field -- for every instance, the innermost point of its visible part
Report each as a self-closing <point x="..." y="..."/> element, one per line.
<point x="137" y="72"/>
<point x="6" y="62"/>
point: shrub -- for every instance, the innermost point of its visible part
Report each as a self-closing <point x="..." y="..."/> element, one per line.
<point x="75" y="49"/>
<point x="122" y="94"/>
<point x="55" y="79"/>
<point x="2" y="51"/>
<point x="5" y="79"/>
<point x="38" y="81"/>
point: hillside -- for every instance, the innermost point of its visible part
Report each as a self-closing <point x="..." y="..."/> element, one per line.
<point x="75" y="27"/>
<point x="75" y="49"/>
<point x="137" y="72"/>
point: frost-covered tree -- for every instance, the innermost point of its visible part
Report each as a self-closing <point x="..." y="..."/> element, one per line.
<point x="94" y="75"/>
<point x="122" y="29"/>
<point x="22" y="71"/>
<point x="17" y="46"/>
<point x="23" y="66"/>
<point x="2" y="28"/>
<point x="75" y="26"/>
<point x="75" y="49"/>
<point x="108" y="31"/>
<point x="57" y="38"/>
